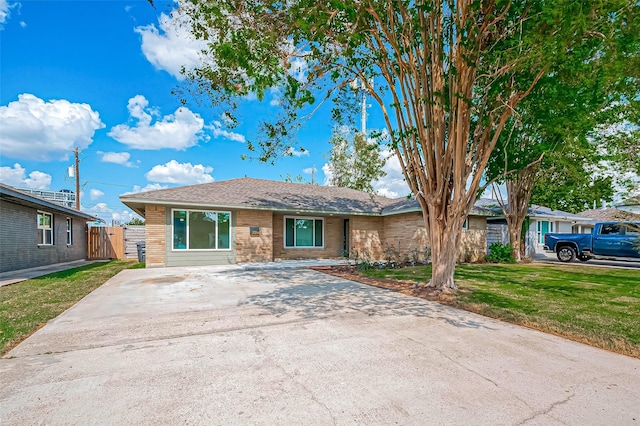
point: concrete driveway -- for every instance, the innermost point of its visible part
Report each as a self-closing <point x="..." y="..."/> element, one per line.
<point x="266" y="346"/>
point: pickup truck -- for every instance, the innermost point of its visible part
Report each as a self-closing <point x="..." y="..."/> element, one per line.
<point x="609" y="240"/>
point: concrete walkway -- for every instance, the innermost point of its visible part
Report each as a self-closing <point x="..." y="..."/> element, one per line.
<point x="12" y="277"/>
<point x="229" y="345"/>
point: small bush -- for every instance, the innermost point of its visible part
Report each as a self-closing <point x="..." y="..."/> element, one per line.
<point x="500" y="253"/>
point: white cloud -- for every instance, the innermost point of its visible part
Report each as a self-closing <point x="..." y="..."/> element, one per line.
<point x="17" y="176"/>
<point x="180" y="173"/>
<point x="180" y="130"/>
<point x="171" y="46"/>
<point x="5" y="11"/>
<point x="33" y="129"/>
<point x="310" y="170"/>
<point x="23" y="24"/>
<point x="292" y="151"/>
<point x="116" y="157"/>
<point x="109" y="215"/>
<point x="94" y="194"/>
<point x="150" y="187"/>
<point x="393" y="184"/>
<point x="218" y="131"/>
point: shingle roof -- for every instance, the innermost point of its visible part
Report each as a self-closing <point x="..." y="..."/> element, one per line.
<point x="265" y="195"/>
<point x="606" y="215"/>
<point x="260" y="194"/>
<point x="541" y="211"/>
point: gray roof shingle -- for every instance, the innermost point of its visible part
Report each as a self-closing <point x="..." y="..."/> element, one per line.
<point x="262" y="194"/>
<point x="611" y="215"/>
<point x="250" y="193"/>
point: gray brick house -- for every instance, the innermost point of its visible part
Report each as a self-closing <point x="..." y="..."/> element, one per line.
<point x="255" y="220"/>
<point x="36" y="232"/>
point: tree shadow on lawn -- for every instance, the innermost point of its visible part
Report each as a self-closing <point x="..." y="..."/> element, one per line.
<point x="312" y="294"/>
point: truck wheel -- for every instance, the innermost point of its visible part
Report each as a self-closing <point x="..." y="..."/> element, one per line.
<point x="566" y="254"/>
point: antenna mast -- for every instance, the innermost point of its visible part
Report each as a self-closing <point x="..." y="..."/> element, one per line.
<point x="77" y="167"/>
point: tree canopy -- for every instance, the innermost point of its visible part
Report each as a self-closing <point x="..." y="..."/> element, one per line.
<point x="354" y="161"/>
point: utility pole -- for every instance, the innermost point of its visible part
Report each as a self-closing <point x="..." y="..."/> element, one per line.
<point x="77" y="167"/>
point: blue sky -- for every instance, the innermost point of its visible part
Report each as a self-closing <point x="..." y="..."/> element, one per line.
<point x="99" y="75"/>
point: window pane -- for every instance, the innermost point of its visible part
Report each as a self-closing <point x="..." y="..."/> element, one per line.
<point x="318" y="225"/>
<point x="179" y="229"/>
<point x="289" y="233"/>
<point x="48" y="236"/>
<point x="202" y="230"/>
<point x="610" y="230"/>
<point x="69" y="230"/>
<point x="224" y="238"/>
<point x="304" y="233"/>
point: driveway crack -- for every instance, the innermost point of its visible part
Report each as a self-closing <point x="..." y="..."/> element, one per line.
<point x="262" y="347"/>
<point x="550" y="408"/>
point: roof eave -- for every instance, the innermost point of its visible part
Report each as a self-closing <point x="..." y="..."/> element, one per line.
<point x="23" y="198"/>
<point x="134" y="204"/>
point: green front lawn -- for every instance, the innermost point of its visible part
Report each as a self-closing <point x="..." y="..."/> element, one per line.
<point x="28" y="305"/>
<point x="598" y="306"/>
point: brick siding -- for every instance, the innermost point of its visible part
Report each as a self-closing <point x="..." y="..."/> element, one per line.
<point x="156" y="235"/>
<point x="254" y="248"/>
<point x="333" y="235"/>
<point x="19" y="238"/>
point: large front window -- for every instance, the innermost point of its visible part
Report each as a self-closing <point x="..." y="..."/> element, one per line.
<point x="303" y="232"/>
<point x="45" y="229"/>
<point x="201" y="230"/>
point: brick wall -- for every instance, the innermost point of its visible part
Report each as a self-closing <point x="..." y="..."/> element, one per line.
<point x="333" y="234"/>
<point x="155" y="236"/>
<point x="405" y="233"/>
<point x="367" y="237"/>
<point x="473" y="242"/>
<point x="254" y="248"/>
<point x="19" y="238"/>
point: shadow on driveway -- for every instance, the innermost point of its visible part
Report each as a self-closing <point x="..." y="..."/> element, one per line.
<point x="315" y="295"/>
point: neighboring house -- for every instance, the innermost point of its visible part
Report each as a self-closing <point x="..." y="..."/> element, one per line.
<point x="540" y="221"/>
<point x="36" y="232"/>
<point x="611" y="215"/>
<point x="630" y="204"/>
<point x="254" y="220"/>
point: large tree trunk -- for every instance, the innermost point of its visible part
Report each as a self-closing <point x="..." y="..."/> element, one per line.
<point x="519" y="187"/>
<point x="444" y="255"/>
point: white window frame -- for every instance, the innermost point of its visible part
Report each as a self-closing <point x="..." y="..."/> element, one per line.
<point x="43" y="229"/>
<point x="284" y="232"/>
<point x="216" y="212"/>
<point x="69" y="231"/>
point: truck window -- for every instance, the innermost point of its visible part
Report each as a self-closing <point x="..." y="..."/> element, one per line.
<point x="610" y="230"/>
<point x="632" y="230"/>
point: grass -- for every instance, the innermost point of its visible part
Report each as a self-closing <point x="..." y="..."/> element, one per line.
<point x="597" y="306"/>
<point x="28" y="305"/>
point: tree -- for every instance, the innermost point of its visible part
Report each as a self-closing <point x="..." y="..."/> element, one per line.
<point x="354" y="162"/>
<point x="554" y="149"/>
<point x="450" y="75"/>
<point x="136" y="221"/>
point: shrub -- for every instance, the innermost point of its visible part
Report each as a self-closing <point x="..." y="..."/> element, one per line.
<point x="500" y="253"/>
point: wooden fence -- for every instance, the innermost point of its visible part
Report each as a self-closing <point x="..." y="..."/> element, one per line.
<point x="105" y="242"/>
<point x="133" y="234"/>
